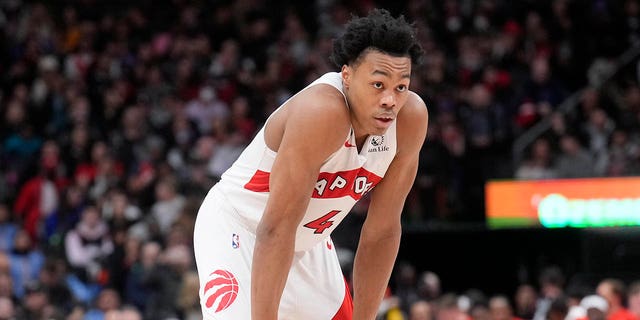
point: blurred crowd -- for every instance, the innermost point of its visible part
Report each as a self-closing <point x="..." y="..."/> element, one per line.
<point x="117" y="118"/>
<point x="420" y="296"/>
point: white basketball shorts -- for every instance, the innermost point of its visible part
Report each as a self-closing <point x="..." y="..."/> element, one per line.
<point x="315" y="288"/>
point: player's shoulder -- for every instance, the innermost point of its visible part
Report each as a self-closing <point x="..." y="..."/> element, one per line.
<point x="413" y="121"/>
<point x="414" y="111"/>
<point x="324" y="94"/>
<point x="321" y="99"/>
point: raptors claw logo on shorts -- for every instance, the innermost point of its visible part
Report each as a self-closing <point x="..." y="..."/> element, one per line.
<point x="220" y="290"/>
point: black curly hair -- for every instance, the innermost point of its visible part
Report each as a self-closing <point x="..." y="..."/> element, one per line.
<point x="380" y="31"/>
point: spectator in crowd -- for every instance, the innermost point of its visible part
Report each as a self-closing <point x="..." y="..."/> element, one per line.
<point x="118" y="210"/>
<point x="429" y="286"/>
<point x="117" y="264"/>
<point x="7" y="309"/>
<point x="542" y="88"/>
<point x="551" y="283"/>
<point x="8" y="229"/>
<point x="26" y="261"/>
<point x="500" y="308"/>
<point x="623" y="155"/>
<point x="88" y="244"/>
<point x="390" y="308"/>
<point x="558" y="127"/>
<point x="474" y="301"/>
<point x="539" y="163"/>
<point x="136" y="292"/>
<point x="76" y="149"/>
<point x="614" y="291"/>
<point x="558" y="310"/>
<point x="575" y="292"/>
<point x="39" y="196"/>
<point x="431" y="189"/>
<point x="633" y="298"/>
<point x="164" y="282"/>
<point x="405" y="285"/>
<point x="420" y="310"/>
<point x="36" y="303"/>
<point x="595" y="306"/>
<point x="525" y="301"/>
<point x="206" y="109"/>
<point x="628" y="106"/>
<point x="591" y="100"/>
<point x="168" y="205"/>
<point x="241" y="119"/>
<point x="66" y="216"/>
<point x="108" y="300"/>
<point x="21" y="147"/>
<point x="188" y="300"/>
<point x="598" y="130"/>
<point x="574" y="161"/>
<point x="229" y="145"/>
<point x="124" y="313"/>
<point x="447" y="308"/>
<point x="52" y="279"/>
<point x="6" y="280"/>
<point x="480" y="311"/>
<point x="102" y="171"/>
<point x="487" y="134"/>
<point x="483" y="119"/>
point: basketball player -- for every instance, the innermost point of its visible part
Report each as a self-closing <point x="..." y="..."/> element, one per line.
<point x="262" y="243"/>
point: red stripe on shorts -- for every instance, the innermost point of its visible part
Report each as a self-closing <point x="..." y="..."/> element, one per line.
<point x="346" y="309"/>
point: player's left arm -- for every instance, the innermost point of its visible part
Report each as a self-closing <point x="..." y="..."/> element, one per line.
<point x="380" y="237"/>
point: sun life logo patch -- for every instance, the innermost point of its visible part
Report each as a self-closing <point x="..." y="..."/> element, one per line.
<point x="377" y="140"/>
<point x="377" y="144"/>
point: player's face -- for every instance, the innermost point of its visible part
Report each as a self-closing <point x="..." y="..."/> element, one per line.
<point x="377" y="87"/>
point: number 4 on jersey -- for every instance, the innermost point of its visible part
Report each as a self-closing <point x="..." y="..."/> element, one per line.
<point x="322" y="223"/>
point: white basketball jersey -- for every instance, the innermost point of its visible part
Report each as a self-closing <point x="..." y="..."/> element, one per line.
<point x="344" y="178"/>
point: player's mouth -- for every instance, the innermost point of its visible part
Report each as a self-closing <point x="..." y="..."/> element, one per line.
<point x="384" y="120"/>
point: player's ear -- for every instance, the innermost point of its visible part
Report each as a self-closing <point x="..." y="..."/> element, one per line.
<point x="346" y="75"/>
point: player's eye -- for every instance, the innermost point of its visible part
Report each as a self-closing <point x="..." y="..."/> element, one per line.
<point x="402" y="88"/>
<point x="377" y="85"/>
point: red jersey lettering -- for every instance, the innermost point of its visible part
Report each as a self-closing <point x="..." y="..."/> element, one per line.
<point x="353" y="183"/>
<point x="323" y="223"/>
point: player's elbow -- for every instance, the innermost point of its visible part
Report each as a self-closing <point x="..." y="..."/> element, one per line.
<point x="391" y="231"/>
<point x="269" y="231"/>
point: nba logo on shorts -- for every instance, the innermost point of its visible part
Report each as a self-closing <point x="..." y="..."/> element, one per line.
<point x="220" y="290"/>
<point x="235" y="241"/>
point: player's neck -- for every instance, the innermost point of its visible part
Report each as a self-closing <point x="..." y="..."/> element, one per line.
<point x="359" y="135"/>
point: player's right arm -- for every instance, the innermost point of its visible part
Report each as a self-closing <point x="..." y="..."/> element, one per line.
<point x="307" y="130"/>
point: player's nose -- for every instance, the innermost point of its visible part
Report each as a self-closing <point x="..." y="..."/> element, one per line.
<point x="388" y="100"/>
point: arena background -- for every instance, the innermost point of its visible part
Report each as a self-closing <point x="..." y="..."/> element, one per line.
<point x="130" y="111"/>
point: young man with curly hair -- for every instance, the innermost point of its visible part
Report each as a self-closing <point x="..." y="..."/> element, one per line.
<point x="262" y="235"/>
